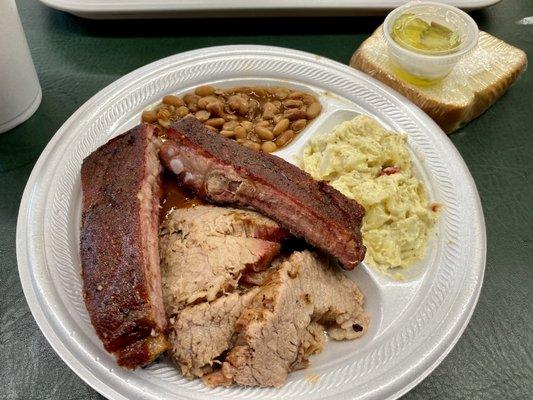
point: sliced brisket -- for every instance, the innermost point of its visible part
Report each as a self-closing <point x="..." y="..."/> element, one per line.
<point x="119" y="246"/>
<point x="202" y="333"/>
<point x="222" y="171"/>
<point x="205" y="250"/>
<point x="278" y="329"/>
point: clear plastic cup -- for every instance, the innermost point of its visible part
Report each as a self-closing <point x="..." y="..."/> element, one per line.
<point x="431" y="67"/>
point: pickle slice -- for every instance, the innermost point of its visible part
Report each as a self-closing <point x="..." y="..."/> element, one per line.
<point x="408" y="28"/>
<point x="414" y="33"/>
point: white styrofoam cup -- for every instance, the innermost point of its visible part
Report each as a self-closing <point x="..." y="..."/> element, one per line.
<point x="20" y="92"/>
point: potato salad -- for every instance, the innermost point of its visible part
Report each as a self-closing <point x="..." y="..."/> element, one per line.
<point x="365" y="162"/>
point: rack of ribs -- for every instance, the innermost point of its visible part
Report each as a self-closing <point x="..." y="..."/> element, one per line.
<point x="222" y="171"/>
<point x="119" y="246"/>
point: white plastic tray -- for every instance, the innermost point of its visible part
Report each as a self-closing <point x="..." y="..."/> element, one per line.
<point x="111" y="9"/>
<point x="414" y="324"/>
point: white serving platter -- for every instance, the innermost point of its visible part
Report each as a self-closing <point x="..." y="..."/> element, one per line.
<point x="114" y="9"/>
<point x="415" y="323"/>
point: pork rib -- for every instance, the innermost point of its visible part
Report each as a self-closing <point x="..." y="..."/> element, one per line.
<point x="119" y="246"/>
<point x="223" y="171"/>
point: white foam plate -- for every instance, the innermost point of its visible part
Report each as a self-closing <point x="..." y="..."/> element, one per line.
<point x="415" y="323"/>
<point x="112" y="9"/>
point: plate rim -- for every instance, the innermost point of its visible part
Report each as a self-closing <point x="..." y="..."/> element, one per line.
<point x="23" y="261"/>
<point x="101" y="8"/>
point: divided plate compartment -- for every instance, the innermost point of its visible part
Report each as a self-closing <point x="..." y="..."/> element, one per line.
<point x="414" y="323"/>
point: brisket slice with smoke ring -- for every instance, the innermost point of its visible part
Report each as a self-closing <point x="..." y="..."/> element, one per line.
<point x="281" y="326"/>
<point x="222" y="171"/>
<point x="205" y="251"/>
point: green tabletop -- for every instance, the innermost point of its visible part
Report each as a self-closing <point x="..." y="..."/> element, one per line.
<point x="75" y="58"/>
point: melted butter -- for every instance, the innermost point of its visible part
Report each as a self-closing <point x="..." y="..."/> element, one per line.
<point x="409" y="78"/>
<point x="413" y="33"/>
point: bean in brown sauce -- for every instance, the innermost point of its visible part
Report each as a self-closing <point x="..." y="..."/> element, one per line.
<point x="298" y="125"/>
<point x="268" y="147"/>
<point x="202" y="115"/>
<point x="204" y="90"/>
<point x="149" y="116"/>
<point x="261" y="118"/>
<point x="182" y="111"/>
<point x="172" y="100"/>
<point x="281" y="127"/>
<point x="285" y="138"/>
<point x="313" y="110"/>
<point x="240" y="132"/>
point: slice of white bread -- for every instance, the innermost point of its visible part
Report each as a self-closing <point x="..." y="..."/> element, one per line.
<point x="476" y="82"/>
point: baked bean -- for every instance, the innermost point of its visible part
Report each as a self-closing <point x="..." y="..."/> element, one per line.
<point x="281" y="93"/>
<point x="284" y="138"/>
<point x="240" y="132"/>
<point x="294" y="114"/>
<point x="269" y="110"/>
<point x="251" y="145"/>
<point x="295" y="95"/>
<point x="254" y="138"/>
<point x="268" y="147"/>
<point x="281" y="127"/>
<point x="247" y="125"/>
<point x="202" y="115"/>
<point x="259" y="91"/>
<point x="215" y="108"/>
<point x="292" y="103"/>
<point x="190" y="98"/>
<point x="308" y="99"/>
<point x="262" y="118"/>
<point x="149" y="116"/>
<point x="172" y="100"/>
<point x="277" y="118"/>
<point x="215" y="122"/>
<point x="253" y="106"/>
<point x="263" y="132"/>
<point x="182" y="111"/>
<point x="298" y="125"/>
<point x="230" y="125"/>
<point x="163" y="113"/>
<point x="193" y="107"/>
<point x="227" y="133"/>
<point x="230" y="117"/>
<point x="313" y="110"/>
<point x="165" y="123"/>
<point x="204" y="101"/>
<point x="239" y="104"/>
<point x="205" y="90"/>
